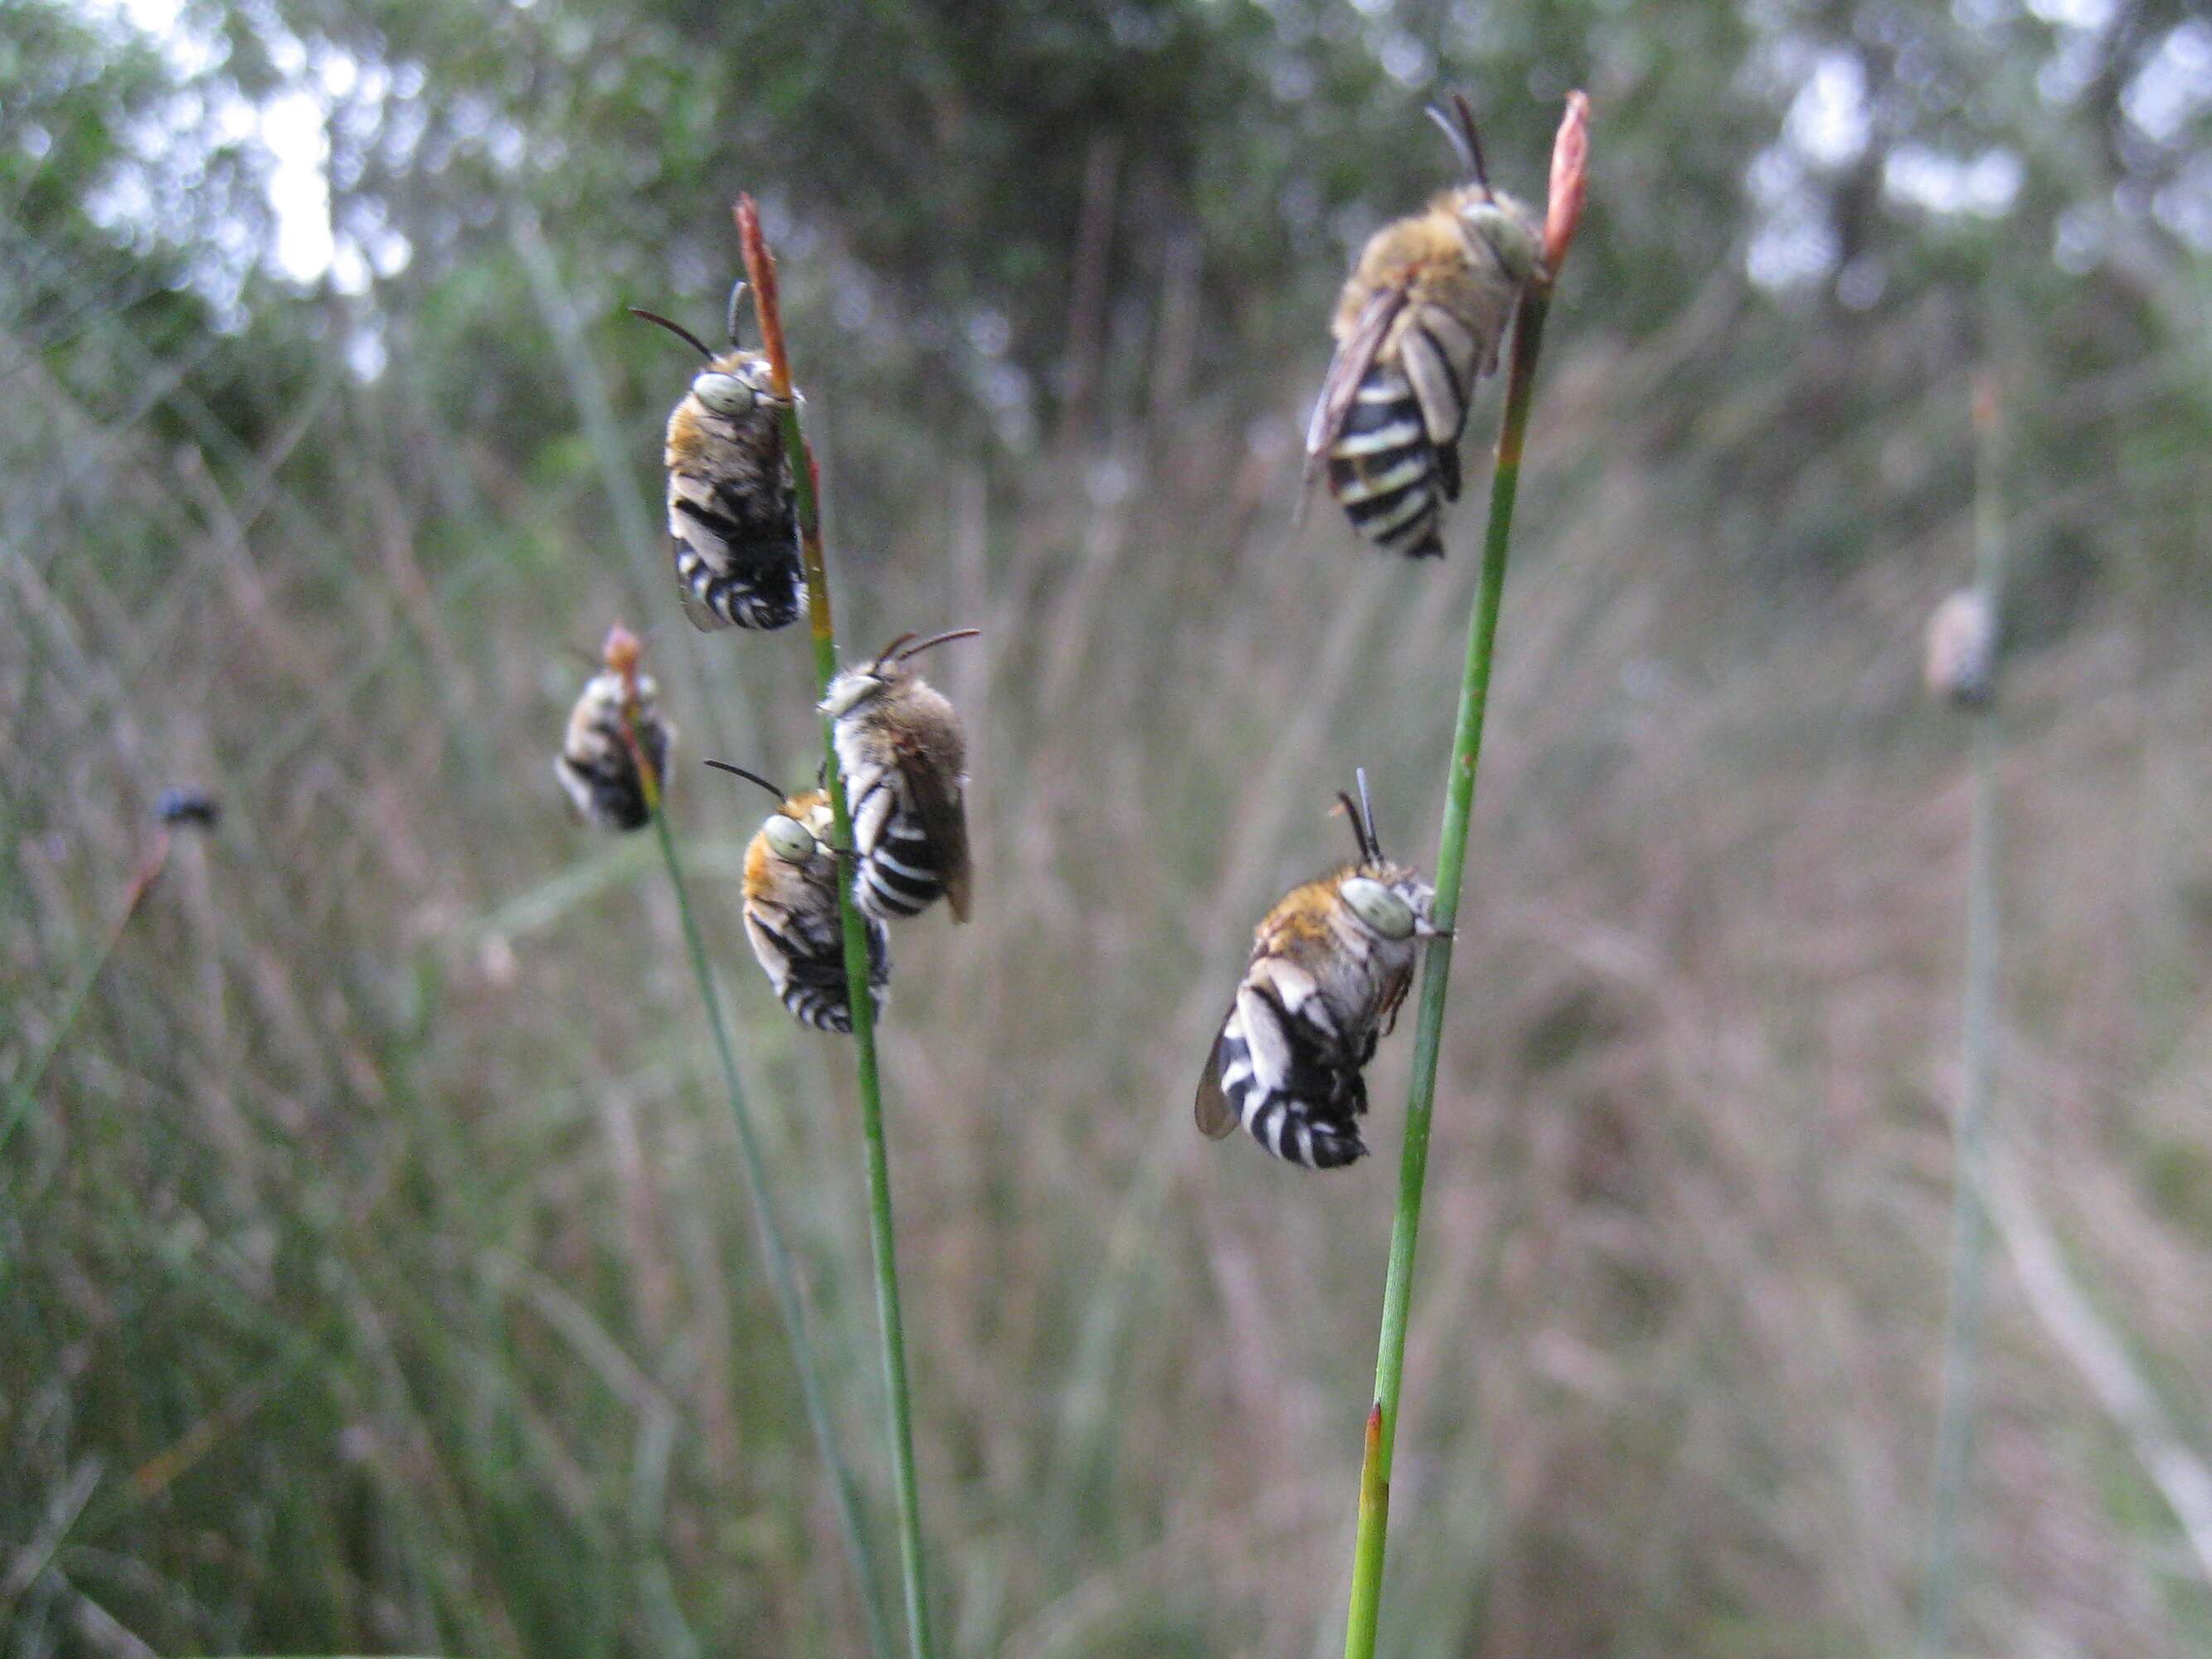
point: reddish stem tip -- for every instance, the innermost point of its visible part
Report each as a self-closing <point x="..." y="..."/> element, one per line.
<point x="1985" y="400"/>
<point x="760" y="272"/>
<point x="1570" y="179"/>
<point x="621" y="652"/>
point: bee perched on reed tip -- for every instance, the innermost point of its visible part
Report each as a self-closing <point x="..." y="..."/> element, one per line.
<point x="1419" y="321"/>
<point x="904" y="761"/>
<point x="731" y="523"/>
<point x="597" y="766"/>
<point x="1962" y="649"/>
<point x="792" y="872"/>
<point x="1330" y="963"/>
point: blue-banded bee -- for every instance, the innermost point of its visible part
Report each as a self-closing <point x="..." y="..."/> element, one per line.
<point x="792" y="872"/>
<point x="1421" y="320"/>
<point x="905" y="765"/>
<point x="1330" y="964"/>
<point x="1962" y="649"/>
<point x="597" y="765"/>
<point x="731" y="524"/>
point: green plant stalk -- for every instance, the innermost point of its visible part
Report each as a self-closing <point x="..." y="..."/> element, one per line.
<point x="1436" y="979"/>
<point x="782" y="1273"/>
<point x="1970" y="1221"/>
<point x="761" y="268"/>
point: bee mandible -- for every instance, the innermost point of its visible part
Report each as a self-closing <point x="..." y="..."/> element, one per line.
<point x="1330" y="964"/>
<point x="732" y="527"/>
<point x="1419" y="321"/>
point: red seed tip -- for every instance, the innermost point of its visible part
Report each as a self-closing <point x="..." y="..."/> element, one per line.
<point x="1985" y="400"/>
<point x="760" y="272"/>
<point x="1569" y="169"/>
<point x="621" y="651"/>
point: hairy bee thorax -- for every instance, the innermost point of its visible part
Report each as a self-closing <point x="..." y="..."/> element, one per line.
<point x="731" y="522"/>
<point x="596" y="765"/>
<point x="793" y="923"/>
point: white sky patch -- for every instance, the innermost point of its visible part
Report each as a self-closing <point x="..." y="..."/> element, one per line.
<point x="1987" y="185"/>
<point x="1828" y="119"/>
<point x="2170" y="90"/>
<point x="2075" y="14"/>
<point x="298" y="184"/>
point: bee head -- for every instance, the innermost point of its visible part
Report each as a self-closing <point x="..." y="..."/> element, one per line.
<point x="1505" y="226"/>
<point x="1388" y="900"/>
<point x="857" y="685"/>
<point x="734" y="384"/>
<point x="790" y="839"/>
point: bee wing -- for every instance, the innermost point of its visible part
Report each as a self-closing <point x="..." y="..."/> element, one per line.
<point x="929" y="789"/>
<point x="706" y="621"/>
<point x="1346" y="371"/>
<point x="1216" y="1116"/>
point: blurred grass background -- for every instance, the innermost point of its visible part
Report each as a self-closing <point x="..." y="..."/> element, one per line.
<point x="376" y="1274"/>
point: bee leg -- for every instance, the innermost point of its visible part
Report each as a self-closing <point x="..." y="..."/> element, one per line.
<point x="1448" y="470"/>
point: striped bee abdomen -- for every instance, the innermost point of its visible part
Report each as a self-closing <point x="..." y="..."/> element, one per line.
<point x="901" y="874"/>
<point x="1308" y="1114"/>
<point x="1384" y="468"/>
<point x="737" y="559"/>
<point x="809" y="971"/>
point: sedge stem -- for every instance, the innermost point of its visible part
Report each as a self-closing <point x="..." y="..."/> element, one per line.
<point x="760" y="272"/>
<point x="783" y="1276"/>
<point x="1570" y="158"/>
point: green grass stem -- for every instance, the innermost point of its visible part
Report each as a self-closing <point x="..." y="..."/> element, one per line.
<point x="1366" y="1600"/>
<point x="1970" y="1221"/>
<point x="782" y="1274"/>
<point x="760" y="269"/>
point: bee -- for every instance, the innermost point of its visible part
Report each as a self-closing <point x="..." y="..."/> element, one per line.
<point x="792" y="872"/>
<point x="596" y="764"/>
<point x="731" y="523"/>
<point x="195" y="807"/>
<point x="1330" y="963"/>
<point x="1962" y="649"/>
<point x="905" y="766"/>
<point x="1420" y="320"/>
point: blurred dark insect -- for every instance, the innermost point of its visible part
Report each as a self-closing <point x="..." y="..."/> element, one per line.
<point x="192" y="807"/>
<point x="1961" y="649"/>
<point x="597" y="765"/>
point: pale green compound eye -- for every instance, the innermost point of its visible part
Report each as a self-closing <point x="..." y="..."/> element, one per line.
<point x="726" y="394"/>
<point x="789" y="838"/>
<point x="1379" y="908"/>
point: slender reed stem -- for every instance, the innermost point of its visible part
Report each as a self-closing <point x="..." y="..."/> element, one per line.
<point x="782" y="1275"/>
<point x="1969" y="1222"/>
<point x="24" y="1092"/>
<point x="1569" y="161"/>
<point x="760" y="272"/>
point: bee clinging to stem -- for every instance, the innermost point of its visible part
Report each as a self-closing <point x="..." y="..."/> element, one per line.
<point x="1419" y="321"/>
<point x="597" y="765"/>
<point x="904" y="761"/>
<point x="792" y="872"/>
<point x="1961" y="665"/>
<point x="732" y="525"/>
<point x="1330" y="963"/>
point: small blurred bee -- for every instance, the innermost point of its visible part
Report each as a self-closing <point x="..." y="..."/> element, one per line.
<point x="1962" y="649"/>
<point x="792" y="872"/>
<point x="905" y="765"/>
<point x="1330" y="964"/>
<point x="194" y="807"/>
<point x="1420" y="320"/>
<point x="731" y="519"/>
<point x="596" y="765"/>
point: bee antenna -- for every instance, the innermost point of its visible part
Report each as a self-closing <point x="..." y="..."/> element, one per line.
<point x="1458" y="125"/>
<point x="937" y="639"/>
<point x="1367" y="814"/>
<point x="891" y="650"/>
<point x="723" y="766"/>
<point x="674" y="327"/>
<point x="736" y="299"/>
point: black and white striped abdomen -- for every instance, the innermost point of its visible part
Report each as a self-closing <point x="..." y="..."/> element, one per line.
<point x="808" y="973"/>
<point x="1383" y="467"/>
<point x="1308" y="1116"/>
<point x="901" y="873"/>
<point x="735" y="561"/>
